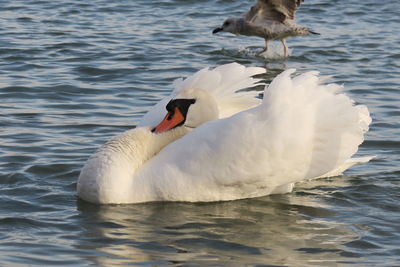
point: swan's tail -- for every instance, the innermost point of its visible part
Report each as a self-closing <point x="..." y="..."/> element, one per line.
<point x="226" y="84"/>
<point x="313" y="124"/>
<point x="347" y="165"/>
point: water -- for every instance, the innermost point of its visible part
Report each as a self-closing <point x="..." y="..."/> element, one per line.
<point x="74" y="73"/>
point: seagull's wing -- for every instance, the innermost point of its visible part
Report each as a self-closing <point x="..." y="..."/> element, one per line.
<point x="272" y="10"/>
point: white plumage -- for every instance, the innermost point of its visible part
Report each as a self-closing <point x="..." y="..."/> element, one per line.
<point x="302" y="129"/>
<point x="223" y="83"/>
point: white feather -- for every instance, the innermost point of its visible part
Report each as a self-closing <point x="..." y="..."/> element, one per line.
<point x="303" y="129"/>
<point x="223" y="83"/>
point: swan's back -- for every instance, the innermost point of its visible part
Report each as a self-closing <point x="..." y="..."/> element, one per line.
<point x="322" y="125"/>
<point x="302" y="130"/>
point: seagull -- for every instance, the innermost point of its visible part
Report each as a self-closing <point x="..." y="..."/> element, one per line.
<point x="268" y="19"/>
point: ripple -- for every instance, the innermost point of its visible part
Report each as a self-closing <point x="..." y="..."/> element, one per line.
<point x="217" y="244"/>
<point x="75" y="73"/>
<point x="20" y="223"/>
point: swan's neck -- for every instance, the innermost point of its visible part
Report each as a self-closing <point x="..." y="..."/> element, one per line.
<point x="108" y="176"/>
<point x="140" y="144"/>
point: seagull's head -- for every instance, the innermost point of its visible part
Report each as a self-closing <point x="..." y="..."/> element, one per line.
<point x="229" y="25"/>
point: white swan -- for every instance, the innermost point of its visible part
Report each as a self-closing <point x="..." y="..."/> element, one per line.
<point x="301" y="130"/>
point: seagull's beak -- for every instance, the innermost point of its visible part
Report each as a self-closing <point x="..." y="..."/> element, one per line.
<point x="171" y="120"/>
<point x="217" y="30"/>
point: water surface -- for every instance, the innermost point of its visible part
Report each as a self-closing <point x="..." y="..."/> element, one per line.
<point x="74" y="73"/>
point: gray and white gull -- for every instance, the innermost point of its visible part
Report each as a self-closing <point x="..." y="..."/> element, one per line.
<point x="268" y="19"/>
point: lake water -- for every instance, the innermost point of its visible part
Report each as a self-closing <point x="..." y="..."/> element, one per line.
<point x="74" y="73"/>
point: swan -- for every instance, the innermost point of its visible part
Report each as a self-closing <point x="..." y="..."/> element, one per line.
<point x="209" y="142"/>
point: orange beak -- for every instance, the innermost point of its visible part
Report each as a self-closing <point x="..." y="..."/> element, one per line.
<point x="171" y="120"/>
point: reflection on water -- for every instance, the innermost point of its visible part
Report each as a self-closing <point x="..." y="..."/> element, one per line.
<point x="74" y="73"/>
<point x="287" y="229"/>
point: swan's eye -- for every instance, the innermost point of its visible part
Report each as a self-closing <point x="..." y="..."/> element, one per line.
<point x="177" y="111"/>
<point x="182" y="104"/>
<point x="170" y="115"/>
<point x="171" y="105"/>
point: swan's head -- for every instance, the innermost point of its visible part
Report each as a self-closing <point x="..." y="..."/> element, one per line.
<point x="190" y="108"/>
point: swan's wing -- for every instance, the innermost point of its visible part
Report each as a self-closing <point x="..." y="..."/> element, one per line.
<point x="302" y="130"/>
<point x="223" y="83"/>
<point x="272" y="10"/>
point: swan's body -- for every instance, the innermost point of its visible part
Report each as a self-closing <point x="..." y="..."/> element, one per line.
<point x="301" y="130"/>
